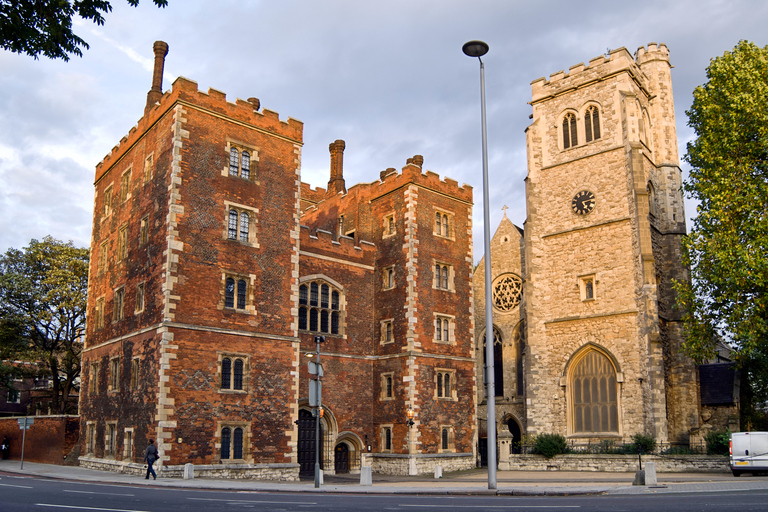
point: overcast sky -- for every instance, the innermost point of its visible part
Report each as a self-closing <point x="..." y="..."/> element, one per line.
<point x="388" y="77"/>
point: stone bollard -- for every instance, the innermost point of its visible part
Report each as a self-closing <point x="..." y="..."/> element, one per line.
<point x="321" y="477"/>
<point x="365" y="476"/>
<point x="639" y="477"/>
<point x="650" y="474"/>
<point x="438" y="471"/>
<point x="189" y="471"/>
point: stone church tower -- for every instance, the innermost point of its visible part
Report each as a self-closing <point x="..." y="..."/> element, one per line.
<point x="602" y="247"/>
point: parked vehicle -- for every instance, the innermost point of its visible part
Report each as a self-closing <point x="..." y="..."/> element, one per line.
<point x="749" y="452"/>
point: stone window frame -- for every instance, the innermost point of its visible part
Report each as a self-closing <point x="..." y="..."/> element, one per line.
<point x="253" y="161"/>
<point x="594" y="126"/>
<point x="388" y="278"/>
<point x="93" y="378"/>
<point x="443" y="230"/>
<point x="144" y="230"/>
<point x="246" y="376"/>
<point x="387" y="387"/>
<point x="98" y="312"/>
<point x="383" y="429"/>
<point x="568" y="139"/>
<point x="13" y="396"/>
<point x="439" y="281"/>
<point x="149" y="168"/>
<point x="387" y="327"/>
<point x="118" y="304"/>
<point x="439" y="384"/>
<point x="306" y="304"/>
<point x="447" y="442"/>
<point x="90" y="437"/>
<point x="108" y="203"/>
<point x="122" y="242"/>
<point x="101" y="266"/>
<point x="567" y="381"/>
<point x="128" y="443"/>
<point x="588" y="287"/>
<point x="125" y="185"/>
<point x="249" y="306"/>
<point x="141" y="288"/>
<point x="253" y="219"/>
<point x="439" y="337"/>
<point x="247" y="436"/>
<point x="135" y="373"/>
<point x="113" y="385"/>
<point x="110" y="439"/>
<point x="389" y="225"/>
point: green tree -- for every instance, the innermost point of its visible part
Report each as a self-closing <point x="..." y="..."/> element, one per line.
<point x="44" y="27"/>
<point x="727" y="248"/>
<point x="43" y="292"/>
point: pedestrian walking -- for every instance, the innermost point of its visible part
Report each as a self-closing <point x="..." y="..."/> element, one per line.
<point x="150" y="456"/>
<point x="5" y="448"/>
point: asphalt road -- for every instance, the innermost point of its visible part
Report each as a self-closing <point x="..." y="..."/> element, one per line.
<point x="22" y="494"/>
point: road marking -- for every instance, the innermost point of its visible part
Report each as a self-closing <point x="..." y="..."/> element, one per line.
<point x="87" y="508"/>
<point x="103" y="493"/>
<point x="489" y="506"/>
<point x="20" y="486"/>
<point x="257" y="501"/>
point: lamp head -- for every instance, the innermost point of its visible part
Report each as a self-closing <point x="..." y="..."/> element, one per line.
<point x="475" y="48"/>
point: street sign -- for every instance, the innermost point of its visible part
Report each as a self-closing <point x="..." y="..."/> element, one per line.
<point x="315" y="392"/>
<point x="25" y="423"/>
<point x="314" y="367"/>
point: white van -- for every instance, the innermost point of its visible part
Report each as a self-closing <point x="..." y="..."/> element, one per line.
<point x="749" y="452"/>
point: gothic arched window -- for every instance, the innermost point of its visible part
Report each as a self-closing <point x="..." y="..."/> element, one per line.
<point x="592" y="123"/>
<point x="319" y="307"/>
<point x="498" y="363"/>
<point x="594" y="394"/>
<point x="569" y="131"/>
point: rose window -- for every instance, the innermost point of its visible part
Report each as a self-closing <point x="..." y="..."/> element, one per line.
<point x="506" y="292"/>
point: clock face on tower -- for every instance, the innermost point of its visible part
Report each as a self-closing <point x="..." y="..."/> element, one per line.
<point x="583" y="202"/>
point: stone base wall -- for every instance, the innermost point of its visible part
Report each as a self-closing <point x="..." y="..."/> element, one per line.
<point x="419" y="464"/>
<point x="616" y="463"/>
<point x="275" y="472"/>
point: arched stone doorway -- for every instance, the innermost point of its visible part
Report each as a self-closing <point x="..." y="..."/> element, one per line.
<point x="517" y="435"/>
<point x="306" y="451"/>
<point x="341" y="458"/>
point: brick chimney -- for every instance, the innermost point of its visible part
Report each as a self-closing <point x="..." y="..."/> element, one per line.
<point x="336" y="183"/>
<point x="156" y="92"/>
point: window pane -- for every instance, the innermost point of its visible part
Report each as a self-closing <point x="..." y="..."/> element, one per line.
<point x="313" y="320"/>
<point x="237" y="446"/>
<point x="445" y="439"/>
<point x="232" y="233"/>
<point x="574" y="139"/>
<point x="335" y="322"/>
<point x="233" y="162"/>
<point x="324" y="321"/>
<point x="389" y="387"/>
<point x="438" y="223"/>
<point x="439" y="385"/>
<point x="245" y="169"/>
<point x="445" y="225"/>
<point x="445" y="278"/>
<point x="438" y="329"/>
<point x="588" y="124"/>
<point x="324" y="296"/>
<point x="245" y="222"/>
<point x="313" y="294"/>
<point x="334" y="300"/>
<point x="303" y="294"/>
<point x="388" y="439"/>
<point x="445" y="331"/>
<point x="437" y="276"/>
<point x="226" y="372"/>
<point x="229" y="293"/>
<point x="225" y="441"/>
<point x="238" y="380"/>
<point x="447" y="385"/>
<point x="241" y="292"/>
<point x="303" y="318"/>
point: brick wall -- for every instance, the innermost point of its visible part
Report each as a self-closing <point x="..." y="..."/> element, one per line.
<point x="48" y="440"/>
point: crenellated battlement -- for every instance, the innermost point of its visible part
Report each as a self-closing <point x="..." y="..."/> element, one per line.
<point x="185" y="92"/>
<point x="599" y="67"/>
<point x="323" y="242"/>
<point x="413" y="173"/>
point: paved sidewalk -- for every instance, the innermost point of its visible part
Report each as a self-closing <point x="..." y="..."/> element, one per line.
<point x="518" y="483"/>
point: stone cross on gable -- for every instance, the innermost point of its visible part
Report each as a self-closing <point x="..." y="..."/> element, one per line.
<point x="504" y="209"/>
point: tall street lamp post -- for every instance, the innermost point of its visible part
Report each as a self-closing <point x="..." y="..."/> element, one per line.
<point x="478" y="49"/>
